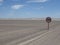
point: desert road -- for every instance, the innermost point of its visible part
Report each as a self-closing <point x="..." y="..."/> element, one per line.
<point x="17" y="32"/>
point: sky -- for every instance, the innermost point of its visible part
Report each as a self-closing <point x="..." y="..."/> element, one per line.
<point x="29" y="8"/>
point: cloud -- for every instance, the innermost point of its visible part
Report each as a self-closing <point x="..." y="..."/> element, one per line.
<point x="14" y="0"/>
<point x="40" y="8"/>
<point x="17" y="6"/>
<point x="37" y="1"/>
<point x="1" y="0"/>
<point x="0" y="4"/>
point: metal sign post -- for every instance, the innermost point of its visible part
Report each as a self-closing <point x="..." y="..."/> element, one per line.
<point x="48" y="26"/>
<point x="48" y="20"/>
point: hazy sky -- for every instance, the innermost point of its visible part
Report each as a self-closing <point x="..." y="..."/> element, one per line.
<point x="29" y="8"/>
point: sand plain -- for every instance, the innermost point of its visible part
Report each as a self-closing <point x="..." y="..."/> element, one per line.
<point x="14" y="31"/>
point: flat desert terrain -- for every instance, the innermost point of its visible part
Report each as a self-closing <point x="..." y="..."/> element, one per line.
<point x="13" y="32"/>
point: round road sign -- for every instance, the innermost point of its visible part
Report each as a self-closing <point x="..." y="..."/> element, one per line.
<point x="48" y="19"/>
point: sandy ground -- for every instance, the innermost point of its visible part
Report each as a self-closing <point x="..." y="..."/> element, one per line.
<point x="52" y="37"/>
<point x="16" y="31"/>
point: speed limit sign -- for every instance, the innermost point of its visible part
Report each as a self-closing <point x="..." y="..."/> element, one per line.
<point x="48" y="20"/>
